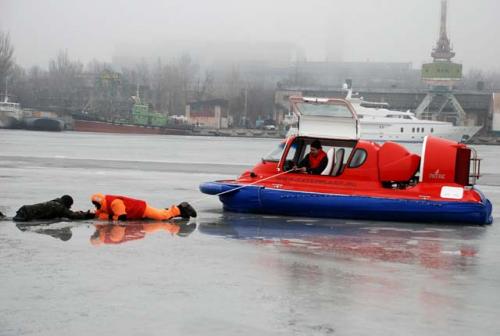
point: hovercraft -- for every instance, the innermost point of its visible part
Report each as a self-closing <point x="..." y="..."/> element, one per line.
<point x="363" y="179"/>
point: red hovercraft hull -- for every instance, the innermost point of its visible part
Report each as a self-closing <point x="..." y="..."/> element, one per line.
<point x="390" y="183"/>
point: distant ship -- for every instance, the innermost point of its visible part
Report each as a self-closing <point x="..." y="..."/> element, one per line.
<point x="142" y="120"/>
<point x="10" y="113"/>
<point x="42" y="121"/>
<point x="378" y="123"/>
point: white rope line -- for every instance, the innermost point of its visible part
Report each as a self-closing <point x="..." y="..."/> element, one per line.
<point x="243" y="186"/>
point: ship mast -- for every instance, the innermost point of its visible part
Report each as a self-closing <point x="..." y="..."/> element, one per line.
<point x="6" y="99"/>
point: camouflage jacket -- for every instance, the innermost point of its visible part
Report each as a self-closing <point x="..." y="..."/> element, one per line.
<point x="48" y="210"/>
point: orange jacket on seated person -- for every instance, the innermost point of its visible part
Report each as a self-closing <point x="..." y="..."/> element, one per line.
<point x="114" y="207"/>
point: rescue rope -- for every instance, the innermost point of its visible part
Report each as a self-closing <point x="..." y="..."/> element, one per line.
<point x="243" y="186"/>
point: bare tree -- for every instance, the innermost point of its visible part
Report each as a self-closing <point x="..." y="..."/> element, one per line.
<point x="6" y="56"/>
<point x="36" y="92"/>
<point x="66" y="81"/>
<point x="96" y="67"/>
<point x="178" y="81"/>
<point x="231" y="87"/>
<point x="204" y="88"/>
<point x="187" y="71"/>
<point x="159" y="87"/>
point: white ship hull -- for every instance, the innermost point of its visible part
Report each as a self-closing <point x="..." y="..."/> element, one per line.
<point x="414" y="131"/>
<point x="378" y="123"/>
<point x="382" y="124"/>
<point x="8" y="121"/>
<point x="10" y="114"/>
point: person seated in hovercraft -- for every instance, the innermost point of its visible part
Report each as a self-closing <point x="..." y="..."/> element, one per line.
<point x="114" y="207"/>
<point x="54" y="209"/>
<point x="314" y="162"/>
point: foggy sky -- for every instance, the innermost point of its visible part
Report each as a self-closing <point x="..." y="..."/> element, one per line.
<point x="355" y="30"/>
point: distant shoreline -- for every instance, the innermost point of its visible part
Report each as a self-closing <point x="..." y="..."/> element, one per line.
<point x="252" y="133"/>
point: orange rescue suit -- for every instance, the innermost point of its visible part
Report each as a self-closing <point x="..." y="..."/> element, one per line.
<point x="114" y="206"/>
<point x="117" y="234"/>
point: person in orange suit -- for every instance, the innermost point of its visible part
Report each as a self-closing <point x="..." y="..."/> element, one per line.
<point x="114" y="207"/>
<point x="118" y="234"/>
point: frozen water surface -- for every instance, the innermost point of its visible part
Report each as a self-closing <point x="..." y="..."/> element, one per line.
<point x="235" y="274"/>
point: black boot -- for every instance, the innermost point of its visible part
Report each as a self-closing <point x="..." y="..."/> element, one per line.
<point x="186" y="229"/>
<point x="186" y="210"/>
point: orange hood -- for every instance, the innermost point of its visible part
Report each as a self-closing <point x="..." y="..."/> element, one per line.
<point x="99" y="199"/>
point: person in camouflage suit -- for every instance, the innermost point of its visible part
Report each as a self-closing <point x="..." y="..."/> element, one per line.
<point x="56" y="208"/>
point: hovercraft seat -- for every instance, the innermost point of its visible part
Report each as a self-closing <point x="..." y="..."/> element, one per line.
<point x="339" y="160"/>
<point x="330" y="156"/>
<point x="396" y="163"/>
<point x="335" y="162"/>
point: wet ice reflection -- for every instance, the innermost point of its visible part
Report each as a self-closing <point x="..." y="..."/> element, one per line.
<point x="366" y="274"/>
<point x="109" y="233"/>
<point x="418" y="244"/>
<point x="296" y="275"/>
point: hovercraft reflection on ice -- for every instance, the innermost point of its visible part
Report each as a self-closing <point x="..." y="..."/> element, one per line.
<point x="432" y="246"/>
<point x="363" y="179"/>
